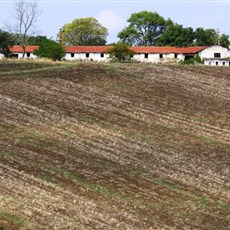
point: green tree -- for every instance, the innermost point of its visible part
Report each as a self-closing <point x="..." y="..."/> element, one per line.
<point x="50" y="49"/>
<point x="144" y="29"/>
<point x="205" y="37"/>
<point x="120" y="52"/>
<point x="31" y="40"/>
<point x="6" y="40"/>
<point x="82" y="32"/>
<point x="176" y="35"/>
<point x="224" y="40"/>
<point x="36" y="40"/>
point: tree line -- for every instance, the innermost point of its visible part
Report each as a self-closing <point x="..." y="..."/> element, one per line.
<point x="150" y="29"/>
<point x="144" y="28"/>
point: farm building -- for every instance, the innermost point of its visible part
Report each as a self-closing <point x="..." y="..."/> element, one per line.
<point x="87" y="53"/>
<point x="153" y="54"/>
<point x="165" y="54"/>
<point x="213" y="55"/>
<point x="217" y="61"/>
<point x="216" y="55"/>
<point x="17" y="52"/>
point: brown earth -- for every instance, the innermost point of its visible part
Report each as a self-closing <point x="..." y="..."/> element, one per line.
<point x="114" y="146"/>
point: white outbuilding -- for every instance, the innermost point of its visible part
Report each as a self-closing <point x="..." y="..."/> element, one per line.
<point x="217" y="61"/>
<point x="17" y="52"/>
<point x="165" y="54"/>
<point x="87" y="53"/>
<point x="216" y="55"/>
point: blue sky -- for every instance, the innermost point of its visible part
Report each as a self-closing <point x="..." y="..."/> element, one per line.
<point x="113" y="14"/>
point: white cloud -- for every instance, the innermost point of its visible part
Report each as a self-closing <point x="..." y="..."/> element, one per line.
<point x="112" y="21"/>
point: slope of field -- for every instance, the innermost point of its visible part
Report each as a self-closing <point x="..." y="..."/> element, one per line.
<point x="114" y="146"/>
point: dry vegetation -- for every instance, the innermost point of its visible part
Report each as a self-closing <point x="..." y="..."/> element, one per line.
<point x="114" y="146"/>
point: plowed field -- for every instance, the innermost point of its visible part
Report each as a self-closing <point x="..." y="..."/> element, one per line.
<point x="114" y="146"/>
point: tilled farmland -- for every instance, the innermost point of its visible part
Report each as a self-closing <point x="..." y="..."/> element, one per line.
<point x="114" y="146"/>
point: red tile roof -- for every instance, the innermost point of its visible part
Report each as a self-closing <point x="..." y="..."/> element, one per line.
<point x="103" y="49"/>
<point x="18" y="49"/>
<point x="168" y="49"/>
<point x="87" y="49"/>
<point x="137" y="49"/>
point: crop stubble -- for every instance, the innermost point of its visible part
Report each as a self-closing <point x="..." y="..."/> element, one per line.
<point x="114" y="146"/>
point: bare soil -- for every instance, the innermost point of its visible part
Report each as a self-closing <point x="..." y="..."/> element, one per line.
<point x="114" y="146"/>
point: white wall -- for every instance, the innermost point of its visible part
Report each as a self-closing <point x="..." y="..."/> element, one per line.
<point x="1" y="56"/>
<point x="31" y="56"/>
<point x="217" y="62"/>
<point x="209" y="52"/>
<point x="82" y="57"/>
<point x="155" y="58"/>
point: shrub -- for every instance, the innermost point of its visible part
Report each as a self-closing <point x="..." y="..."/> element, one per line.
<point x="50" y="49"/>
<point x="194" y="60"/>
<point x="120" y="52"/>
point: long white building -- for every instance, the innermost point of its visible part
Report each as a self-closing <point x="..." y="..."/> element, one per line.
<point x="154" y="54"/>
<point x="212" y="55"/>
<point x="165" y="54"/>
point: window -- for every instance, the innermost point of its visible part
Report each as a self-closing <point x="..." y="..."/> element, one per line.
<point x="87" y="55"/>
<point x="28" y="54"/>
<point x="102" y="55"/>
<point x="15" y="55"/>
<point x="131" y="55"/>
<point x="146" y="55"/>
<point x="175" y="55"/>
<point x="161" y="55"/>
<point x="72" y="54"/>
<point x="217" y="55"/>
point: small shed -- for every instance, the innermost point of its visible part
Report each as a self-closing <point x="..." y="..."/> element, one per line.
<point x="17" y="52"/>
